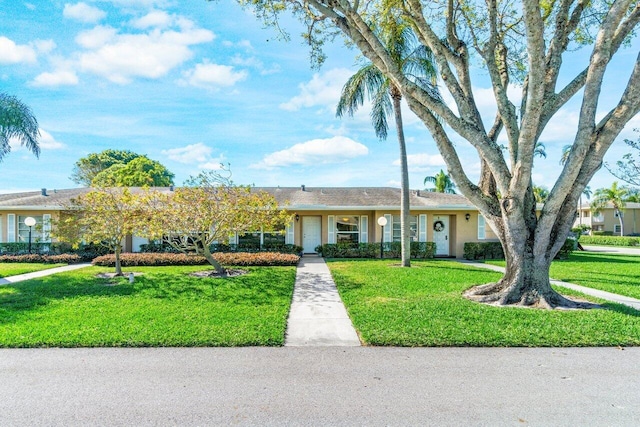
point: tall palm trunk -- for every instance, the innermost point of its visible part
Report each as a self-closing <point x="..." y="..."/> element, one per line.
<point x="404" y="172"/>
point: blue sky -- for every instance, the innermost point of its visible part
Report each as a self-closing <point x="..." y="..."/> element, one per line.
<point x="192" y="84"/>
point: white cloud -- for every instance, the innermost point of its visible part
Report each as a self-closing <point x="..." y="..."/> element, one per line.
<point x="317" y="151"/>
<point x="323" y="90"/>
<point x="422" y="161"/>
<point x="213" y="75"/>
<point x="56" y="78"/>
<point x="83" y="12"/>
<point x="12" y="53"/>
<point x="199" y="154"/>
<point x="44" y="46"/>
<point x="122" y="57"/>
<point x="96" y="37"/>
<point x="190" y="154"/>
<point x="155" y="18"/>
<point x="48" y="142"/>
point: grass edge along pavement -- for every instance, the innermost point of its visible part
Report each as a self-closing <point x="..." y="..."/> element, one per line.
<point x="423" y="306"/>
<point x="16" y="269"/>
<point x="165" y="306"/>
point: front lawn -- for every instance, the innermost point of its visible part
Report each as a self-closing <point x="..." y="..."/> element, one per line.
<point x="13" y="269"/>
<point x="423" y="306"/>
<point x="619" y="274"/>
<point x="165" y="306"/>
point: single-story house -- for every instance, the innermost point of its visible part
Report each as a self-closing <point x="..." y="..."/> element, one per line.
<point x="607" y="219"/>
<point x="321" y="215"/>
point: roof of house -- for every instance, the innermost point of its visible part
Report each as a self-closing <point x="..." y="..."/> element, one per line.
<point x="299" y="198"/>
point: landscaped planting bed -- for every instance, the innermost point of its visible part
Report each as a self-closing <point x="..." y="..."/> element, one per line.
<point x="227" y="259"/>
<point x="164" y="306"/>
<point x="423" y="306"/>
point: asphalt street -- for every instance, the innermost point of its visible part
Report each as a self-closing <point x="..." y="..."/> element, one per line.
<point x="321" y="386"/>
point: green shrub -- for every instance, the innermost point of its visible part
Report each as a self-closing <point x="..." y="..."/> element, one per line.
<point x="372" y="250"/>
<point x="610" y="240"/>
<point x="603" y="233"/>
<point x="162" y="259"/>
<point x="493" y="250"/>
<point x="483" y="250"/>
<point x="45" y="259"/>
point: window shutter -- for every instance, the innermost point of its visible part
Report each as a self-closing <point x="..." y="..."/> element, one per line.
<point x="422" y="228"/>
<point x="289" y="238"/>
<point x="364" y="229"/>
<point x="388" y="228"/>
<point x="331" y="226"/>
<point x="1" y="235"/>
<point x="481" y="228"/>
<point x="11" y="228"/>
<point x="46" y="228"/>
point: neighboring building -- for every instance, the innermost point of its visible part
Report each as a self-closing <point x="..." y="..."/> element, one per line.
<point x="607" y="220"/>
<point x="321" y="215"/>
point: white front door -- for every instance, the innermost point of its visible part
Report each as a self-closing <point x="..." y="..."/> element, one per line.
<point x="311" y="233"/>
<point x="441" y="235"/>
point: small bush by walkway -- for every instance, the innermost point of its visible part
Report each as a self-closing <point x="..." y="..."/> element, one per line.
<point x="165" y="306"/>
<point x="423" y="306"/>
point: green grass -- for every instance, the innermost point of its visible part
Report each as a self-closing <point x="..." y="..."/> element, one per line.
<point x="163" y="307"/>
<point x="619" y="274"/>
<point x="423" y="306"/>
<point x="13" y="269"/>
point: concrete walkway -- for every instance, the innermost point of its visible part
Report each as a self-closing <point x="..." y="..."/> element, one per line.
<point x="628" y="301"/>
<point x="41" y="273"/>
<point x="318" y="317"/>
<point x="612" y="250"/>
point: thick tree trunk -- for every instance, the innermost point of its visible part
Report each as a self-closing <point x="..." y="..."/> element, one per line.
<point x="404" y="172"/>
<point x="218" y="267"/>
<point x="526" y="279"/>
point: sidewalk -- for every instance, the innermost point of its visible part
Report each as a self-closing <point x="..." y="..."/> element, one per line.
<point x="619" y="299"/>
<point x="41" y="273"/>
<point x="318" y="317"/>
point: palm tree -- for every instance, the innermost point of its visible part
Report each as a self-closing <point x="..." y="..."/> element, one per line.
<point x="615" y="196"/>
<point x="540" y="150"/>
<point x="386" y="98"/>
<point x="564" y="157"/>
<point x="442" y="183"/>
<point x="17" y="121"/>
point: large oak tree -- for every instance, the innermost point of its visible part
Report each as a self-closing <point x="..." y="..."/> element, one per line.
<point x="514" y="42"/>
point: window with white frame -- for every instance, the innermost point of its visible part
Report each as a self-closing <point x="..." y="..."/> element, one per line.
<point x="585" y="214"/>
<point x="347" y="229"/>
<point x="482" y="232"/>
<point x="617" y="229"/>
<point x="598" y="217"/>
<point x="258" y="239"/>
<point x="36" y="230"/>
<point x="396" y="233"/>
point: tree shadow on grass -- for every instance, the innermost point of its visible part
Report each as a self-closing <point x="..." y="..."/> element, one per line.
<point x="256" y="288"/>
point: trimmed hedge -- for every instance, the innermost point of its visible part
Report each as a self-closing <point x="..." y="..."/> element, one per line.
<point x="171" y="259"/>
<point x="372" y="250"/>
<point x="44" y="259"/>
<point x="223" y="247"/>
<point x="493" y="250"/>
<point x="610" y="240"/>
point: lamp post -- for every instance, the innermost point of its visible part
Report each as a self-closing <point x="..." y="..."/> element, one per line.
<point x="29" y="222"/>
<point x="382" y="221"/>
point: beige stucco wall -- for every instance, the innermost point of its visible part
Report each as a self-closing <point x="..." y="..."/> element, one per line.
<point x="631" y="219"/>
<point x="460" y="230"/>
